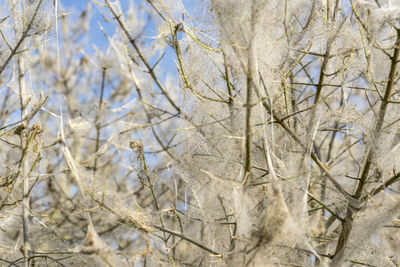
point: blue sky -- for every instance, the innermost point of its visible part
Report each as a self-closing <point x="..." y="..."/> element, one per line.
<point x="74" y="7"/>
<point x="97" y="36"/>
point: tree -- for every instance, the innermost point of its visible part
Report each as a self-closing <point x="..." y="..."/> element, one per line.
<point x="249" y="133"/>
